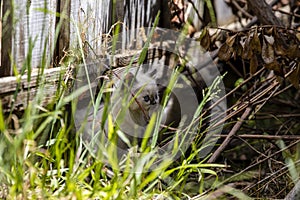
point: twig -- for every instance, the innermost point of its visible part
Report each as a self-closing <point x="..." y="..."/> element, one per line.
<point x="227" y="95"/>
<point x="283" y="90"/>
<point x="241" y="9"/>
<point x="253" y="101"/>
<point x="196" y="10"/>
<point x="267" y="137"/>
<point x="243" y="105"/>
<point x="270" y="176"/>
<point x="286" y="13"/>
<point x="251" y="147"/>
<point x="277" y="116"/>
<point x="230" y="135"/>
<point x="260" y="161"/>
<point x="238" y="124"/>
<point x="260" y="105"/>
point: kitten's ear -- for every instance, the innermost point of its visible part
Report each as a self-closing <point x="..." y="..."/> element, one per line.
<point x="127" y="80"/>
<point x="129" y="77"/>
<point x="160" y="88"/>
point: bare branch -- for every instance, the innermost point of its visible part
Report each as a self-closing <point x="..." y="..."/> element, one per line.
<point x="263" y="12"/>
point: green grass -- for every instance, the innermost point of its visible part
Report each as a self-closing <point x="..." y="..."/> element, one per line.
<point x="52" y="169"/>
<point x="41" y="161"/>
<point x="45" y="158"/>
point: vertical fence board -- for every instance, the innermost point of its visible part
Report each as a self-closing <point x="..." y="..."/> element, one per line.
<point x="6" y="38"/>
<point x="34" y="29"/>
<point x="33" y="24"/>
<point x="91" y="18"/>
<point x="142" y="13"/>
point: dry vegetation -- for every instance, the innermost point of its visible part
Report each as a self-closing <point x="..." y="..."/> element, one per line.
<point x="260" y="55"/>
<point x="257" y="155"/>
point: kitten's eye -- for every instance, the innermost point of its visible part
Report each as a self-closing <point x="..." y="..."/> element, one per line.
<point x="146" y="98"/>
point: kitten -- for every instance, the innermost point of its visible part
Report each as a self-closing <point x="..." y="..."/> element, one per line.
<point x="146" y="96"/>
<point x="133" y="101"/>
<point x="144" y="92"/>
<point x="140" y="91"/>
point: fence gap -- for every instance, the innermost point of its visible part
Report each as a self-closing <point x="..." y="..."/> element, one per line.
<point x="63" y="43"/>
<point x="6" y="38"/>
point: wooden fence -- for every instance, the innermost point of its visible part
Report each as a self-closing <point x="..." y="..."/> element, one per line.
<point x="37" y="33"/>
<point x="30" y="28"/>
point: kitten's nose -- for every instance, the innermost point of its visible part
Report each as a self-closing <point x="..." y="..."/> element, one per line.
<point x="152" y="101"/>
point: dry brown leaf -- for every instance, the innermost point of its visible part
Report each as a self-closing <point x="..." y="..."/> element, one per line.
<point x="293" y="51"/>
<point x="298" y="36"/>
<point x="247" y="50"/>
<point x="255" y="43"/>
<point x="239" y="49"/>
<point x="279" y="45"/>
<point x="275" y="66"/>
<point x="268" y="31"/>
<point x="294" y="77"/>
<point x="231" y="40"/>
<point x="225" y="52"/>
<point x="279" y="48"/>
<point x="269" y="39"/>
<point x="205" y="39"/>
<point x="253" y="64"/>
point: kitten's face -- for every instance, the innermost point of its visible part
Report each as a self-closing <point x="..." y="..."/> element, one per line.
<point x="145" y="91"/>
<point x="147" y="98"/>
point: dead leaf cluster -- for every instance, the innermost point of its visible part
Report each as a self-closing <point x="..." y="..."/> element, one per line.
<point x="271" y="47"/>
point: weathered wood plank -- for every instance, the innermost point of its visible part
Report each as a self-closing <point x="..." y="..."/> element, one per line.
<point x="26" y="96"/>
<point x="142" y="13"/>
<point x="27" y="90"/>
<point x="92" y="20"/>
<point x="34" y="32"/>
<point x="89" y="21"/>
<point x="9" y="84"/>
<point x="121" y="60"/>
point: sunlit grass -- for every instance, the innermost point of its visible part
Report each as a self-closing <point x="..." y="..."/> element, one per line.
<point x="45" y="157"/>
